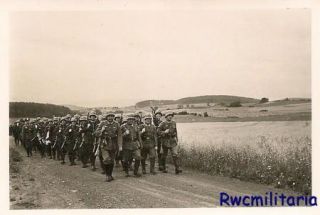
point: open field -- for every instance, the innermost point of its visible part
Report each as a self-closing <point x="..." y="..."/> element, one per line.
<point x="273" y="153"/>
<point x="272" y="111"/>
<point x="230" y="133"/>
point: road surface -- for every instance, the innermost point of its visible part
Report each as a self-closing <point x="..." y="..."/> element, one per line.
<point x="45" y="183"/>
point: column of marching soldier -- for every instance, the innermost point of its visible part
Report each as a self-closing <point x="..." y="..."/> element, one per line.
<point x="126" y="139"/>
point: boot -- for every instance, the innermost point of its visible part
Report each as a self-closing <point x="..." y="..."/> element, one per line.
<point x="62" y="158"/>
<point x="126" y="169"/>
<point x="152" y="164"/>
<point x="176" y="164"/>
<point x="143" y="165"/>
<point x="102" y="165"/>
<point x="122" y="164"/>
<point x="111" y="170"/>
<point x="160" y="162"/>
<point x="130" y="165"/>
<point x="164" y="170"/>
<point x="108" y="172"/>
<point x="117" y="163"/>
<point x="136" y="168"/>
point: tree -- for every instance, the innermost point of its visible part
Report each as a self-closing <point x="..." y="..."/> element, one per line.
<point x="264" y="100"/>
<point x="235" y="104"/>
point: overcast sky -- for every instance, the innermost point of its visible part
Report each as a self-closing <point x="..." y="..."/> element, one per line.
<point x="117" y="58"/>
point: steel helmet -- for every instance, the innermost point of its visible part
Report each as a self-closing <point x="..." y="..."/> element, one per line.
<point x="158" y="112"/>
<point x="110" y="114"/>
<point x="117" y="115"/>
<point x="148" y="116"/>
<point x="92" y="113"/>
<point x="168" y="114"/>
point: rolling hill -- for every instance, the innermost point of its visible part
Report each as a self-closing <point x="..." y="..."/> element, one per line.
<point x="198" y="99"/>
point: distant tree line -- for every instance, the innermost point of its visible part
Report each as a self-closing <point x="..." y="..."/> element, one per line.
<point x="30" y="109"/>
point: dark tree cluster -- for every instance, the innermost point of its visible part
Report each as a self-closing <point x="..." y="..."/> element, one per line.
<point x="30" y="109"/>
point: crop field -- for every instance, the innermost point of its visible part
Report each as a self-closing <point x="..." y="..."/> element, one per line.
<point x="247" y="111"/>
<point x="273" y="153"/>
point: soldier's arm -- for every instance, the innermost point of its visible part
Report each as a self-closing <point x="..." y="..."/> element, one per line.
<point x="160" y="129"/>
<point x="119" y="137"/>
<point x="175" y="131"/>
<point x="98" y="131"/>
<point x="155" y="136"/>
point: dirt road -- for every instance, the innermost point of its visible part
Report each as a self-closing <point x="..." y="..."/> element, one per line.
<point x="45" y="183"/>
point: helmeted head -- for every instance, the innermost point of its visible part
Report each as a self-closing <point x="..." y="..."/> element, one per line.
<point x="73" y="121"/>
<point x="83" y="120"/>
<point x="63" y="120"/>
<point x="130" y="119"/>
<point x="92" y="115"/>
<point x="117" y="118"/>
<point x="77" y="116"/>
<point x="137" y="116"/>
<point x="158" y="114"/>
<point x="55" y="119"/>
<point x="124" y="119"/>
<point x="148" y="119"/>
<point x="110" y="116"/>
<point x="169" y="116"/>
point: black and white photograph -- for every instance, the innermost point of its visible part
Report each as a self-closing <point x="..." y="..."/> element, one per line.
<point x="160" y="108"/>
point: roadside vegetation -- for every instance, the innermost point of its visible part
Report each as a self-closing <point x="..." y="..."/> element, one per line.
<point x="281" y="162"/>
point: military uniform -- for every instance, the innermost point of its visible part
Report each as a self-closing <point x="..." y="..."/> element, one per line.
<point x="131" y="146"/>
<point x="168" y="132"/>
<point x="16" y="129"/>
<point x="93" y="145"/>
<point x="71" y="135"/>
<point x="39" y="130"/>
<point x="86" y="139"/>
<point x="157" y="122"/>
<point x="60" y="140"/>
<point x="27" y="138"/>
<point x="49" y="137"/>
<point x="110" y="141"/>
<point x="54" y="148"/>
<point x="149" y="143"/>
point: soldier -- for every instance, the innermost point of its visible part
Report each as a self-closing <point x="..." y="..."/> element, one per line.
<point x="39" y="130"/>
<point x="149" y="144"/>
<point x="54" y="148"/>
<point x="16" y="129"/>
<point x="131" y="145"/>
<point x="49" y="137"/>
<point x="27" y="137"/>
<point x="110" y="141"/>
<point x="168" y="132"/>
<point x="68" y="118"/>
<point x="25" y="122"/>
<point x="118" y="119"/>
<point x="157" y="121"/>
<point x="138" y="120"/>
<point x="93" y="122"/>
<point x="61" y="139"/>
<point x="71" y="134"/>
<point x="86" y="139"/>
